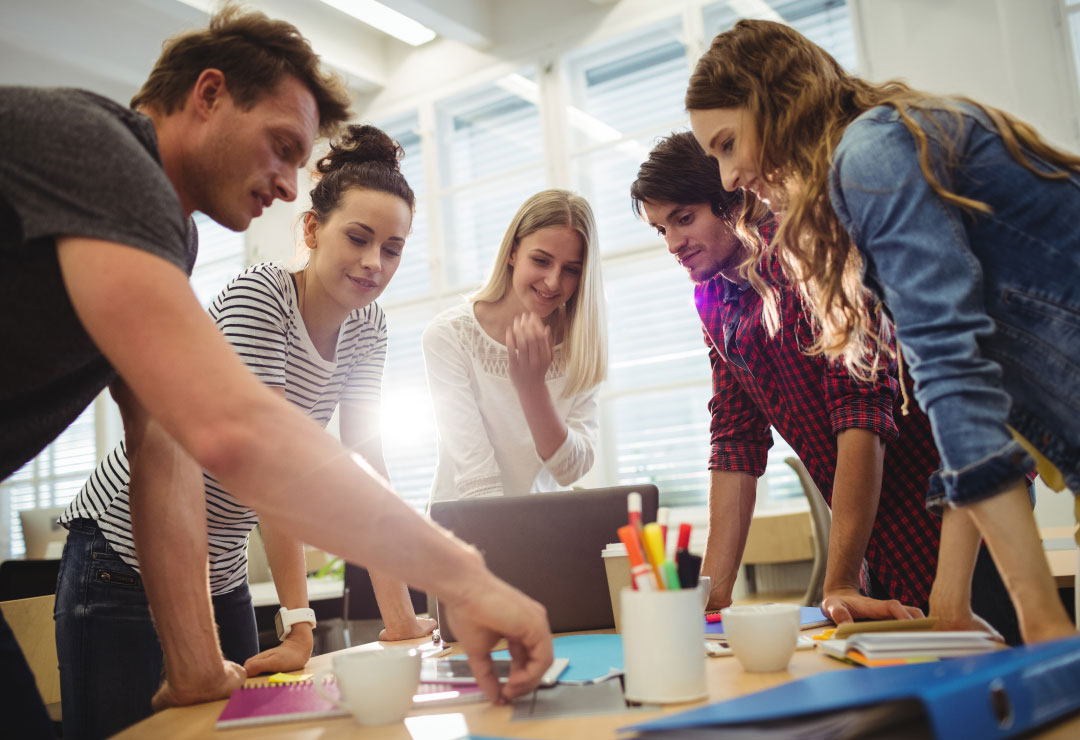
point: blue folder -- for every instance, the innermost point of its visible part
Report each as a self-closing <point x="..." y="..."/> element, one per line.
<point x="989" y="696"/>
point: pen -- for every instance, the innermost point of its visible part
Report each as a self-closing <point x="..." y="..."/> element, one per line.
<point x="640" y="575"/>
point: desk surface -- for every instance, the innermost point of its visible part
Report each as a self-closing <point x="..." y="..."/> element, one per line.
<point x="724" y="676"/>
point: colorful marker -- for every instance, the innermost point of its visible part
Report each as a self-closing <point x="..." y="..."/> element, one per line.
<point x="641" y="576"/>
<point x="654" y="549"/>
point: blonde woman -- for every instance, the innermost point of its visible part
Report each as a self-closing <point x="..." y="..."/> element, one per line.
<point x="962" y="220"/>
<point x="514" y="372"/>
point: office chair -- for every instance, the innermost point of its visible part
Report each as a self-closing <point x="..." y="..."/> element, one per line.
<point x="821" y="524"/>
<point x="25" y="579"/>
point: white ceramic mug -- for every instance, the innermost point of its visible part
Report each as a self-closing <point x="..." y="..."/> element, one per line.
<point x="762" y="636"/>
<point x="376" y="686"/>
<point x="662" y="634"/>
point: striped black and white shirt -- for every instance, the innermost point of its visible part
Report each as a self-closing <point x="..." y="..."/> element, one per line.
<point x="259" y="316"/>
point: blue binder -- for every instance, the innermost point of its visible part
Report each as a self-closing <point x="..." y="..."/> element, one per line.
<point x="989" y="696"/>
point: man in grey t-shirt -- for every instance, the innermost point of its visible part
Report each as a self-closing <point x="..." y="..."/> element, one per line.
<point x="223" y="123"/>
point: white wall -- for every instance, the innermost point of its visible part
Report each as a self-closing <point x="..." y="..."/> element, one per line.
<point x="1011" y="54"/>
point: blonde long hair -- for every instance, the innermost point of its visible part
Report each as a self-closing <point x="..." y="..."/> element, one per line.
<point x="801" y="101"/>
<point x="584" y="322"/>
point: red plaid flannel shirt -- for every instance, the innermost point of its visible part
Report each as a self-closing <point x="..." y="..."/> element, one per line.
<point x="760" y="382"/>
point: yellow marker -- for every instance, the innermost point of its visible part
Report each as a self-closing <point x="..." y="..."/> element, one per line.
<point x="654" y="550"/>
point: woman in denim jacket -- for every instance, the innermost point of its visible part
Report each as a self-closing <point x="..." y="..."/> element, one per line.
<point x="965" y="224"/>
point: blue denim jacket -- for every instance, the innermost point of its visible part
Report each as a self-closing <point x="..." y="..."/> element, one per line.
<point x="987" y="307"/>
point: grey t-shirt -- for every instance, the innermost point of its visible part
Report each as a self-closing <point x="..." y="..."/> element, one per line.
<point x="72" y="163"/>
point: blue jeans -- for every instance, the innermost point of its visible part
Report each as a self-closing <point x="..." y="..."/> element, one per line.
<point x="109" y="655"/>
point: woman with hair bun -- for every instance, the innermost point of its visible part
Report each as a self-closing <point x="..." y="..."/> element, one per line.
<point x="317" y="337"/>
<point x="515" y="371"/>
<point x="960" y="221"/>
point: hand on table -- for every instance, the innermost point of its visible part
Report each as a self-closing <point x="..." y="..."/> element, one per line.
<point x="493" y="610"/>
<point x="847" y="604"/>
<point x="965" y="622"/>
<point x="530" y="348"/>
<point x="220" y="687"/>
<point x="291" y="655"/>
<point x="418" y="627"/>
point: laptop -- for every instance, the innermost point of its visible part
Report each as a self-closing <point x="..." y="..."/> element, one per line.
<point x="548" y="545"/>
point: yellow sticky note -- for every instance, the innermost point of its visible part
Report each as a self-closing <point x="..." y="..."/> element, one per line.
<point x="289" y="678"/>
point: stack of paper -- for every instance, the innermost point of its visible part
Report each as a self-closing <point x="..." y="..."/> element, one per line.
<point x="898" y="648"/>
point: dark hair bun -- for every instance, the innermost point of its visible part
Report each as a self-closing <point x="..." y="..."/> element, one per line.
<point x="361" y="145"/>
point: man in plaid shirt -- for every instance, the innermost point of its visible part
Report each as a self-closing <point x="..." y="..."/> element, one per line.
<point x="838" y="426"/>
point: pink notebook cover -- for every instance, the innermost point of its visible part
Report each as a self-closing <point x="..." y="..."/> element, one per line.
<point x="294" y="702"/>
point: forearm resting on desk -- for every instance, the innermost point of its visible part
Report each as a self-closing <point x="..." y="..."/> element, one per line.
<point x="285" y="555"/>
<point x="731" y="507"/>
<point x="168" y="515"/>
<point x="860" y="457"/>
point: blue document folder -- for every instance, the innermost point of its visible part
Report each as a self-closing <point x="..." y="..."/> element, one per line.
<point x="989" y="696"/>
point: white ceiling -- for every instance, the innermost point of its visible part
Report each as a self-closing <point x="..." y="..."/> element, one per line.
<point x="109" y="46"/>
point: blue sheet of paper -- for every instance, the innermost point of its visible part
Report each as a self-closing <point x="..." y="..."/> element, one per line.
<point x="591" y="656"/>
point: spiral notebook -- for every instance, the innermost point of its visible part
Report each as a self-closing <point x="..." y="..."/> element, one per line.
<point x="262" y="704"/>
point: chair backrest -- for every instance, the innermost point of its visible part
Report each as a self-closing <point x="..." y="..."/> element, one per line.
<point x="821" y="525"/>
<point x="42" y="533"/>
<point x="31" y="621"/>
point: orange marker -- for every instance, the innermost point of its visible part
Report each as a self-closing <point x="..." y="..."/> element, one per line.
<point x="641" y="575"/>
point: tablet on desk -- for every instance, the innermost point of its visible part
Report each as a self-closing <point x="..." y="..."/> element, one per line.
<point x="458" y="671"/>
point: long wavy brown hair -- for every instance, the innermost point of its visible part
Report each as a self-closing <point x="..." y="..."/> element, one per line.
<point x="801" y="101"/>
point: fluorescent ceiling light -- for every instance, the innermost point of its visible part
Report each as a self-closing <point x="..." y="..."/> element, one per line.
<point x="385" y="19"/>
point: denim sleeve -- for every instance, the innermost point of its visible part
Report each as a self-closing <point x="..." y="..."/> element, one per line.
<point x="916" y="246"/>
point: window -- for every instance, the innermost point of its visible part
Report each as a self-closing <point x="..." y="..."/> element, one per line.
<point x="825" y="22"/>
<point x="623" y="93"/>
<point x="413" y="276"/>
<point x="57" y="474"/>
<point x="490" y="160"/>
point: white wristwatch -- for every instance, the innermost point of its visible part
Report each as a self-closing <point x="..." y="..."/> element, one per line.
<point x="286" y="618"/>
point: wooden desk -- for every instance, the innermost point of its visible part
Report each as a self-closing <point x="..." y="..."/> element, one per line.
<point x="1063" y="563"/>
<point x="725" y="678"/>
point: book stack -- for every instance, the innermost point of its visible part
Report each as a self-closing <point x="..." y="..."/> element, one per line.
<point x="900" y="648"/>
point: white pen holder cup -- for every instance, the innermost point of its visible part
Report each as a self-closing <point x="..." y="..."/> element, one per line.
<point x="663" y="634"/>
<point x="376" y="686"/>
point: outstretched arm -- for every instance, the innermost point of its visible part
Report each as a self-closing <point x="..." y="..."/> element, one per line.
<point x="360" y="432"/>
<point x="141" y="313"/>
<point x="731" y="507"/>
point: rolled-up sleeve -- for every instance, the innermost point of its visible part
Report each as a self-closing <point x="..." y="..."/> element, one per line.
<point x="916" y="245"/>
<point x="857" y="404"/>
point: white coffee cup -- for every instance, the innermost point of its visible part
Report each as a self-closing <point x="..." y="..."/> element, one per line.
<point x="376" y="686"/>
<point x="762" y="636"/>
<point x="663" y="633"/>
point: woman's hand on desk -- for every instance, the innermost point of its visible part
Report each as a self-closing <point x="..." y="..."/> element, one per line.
<point x="847" y="604"/>
<point x="291" y="655"/>
<point x="491" y="609"/>
<point x="417" y="627"/>
<point x="182" y="693"/>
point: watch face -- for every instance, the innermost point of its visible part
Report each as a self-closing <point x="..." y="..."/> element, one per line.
<point x="278" y="626"/>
